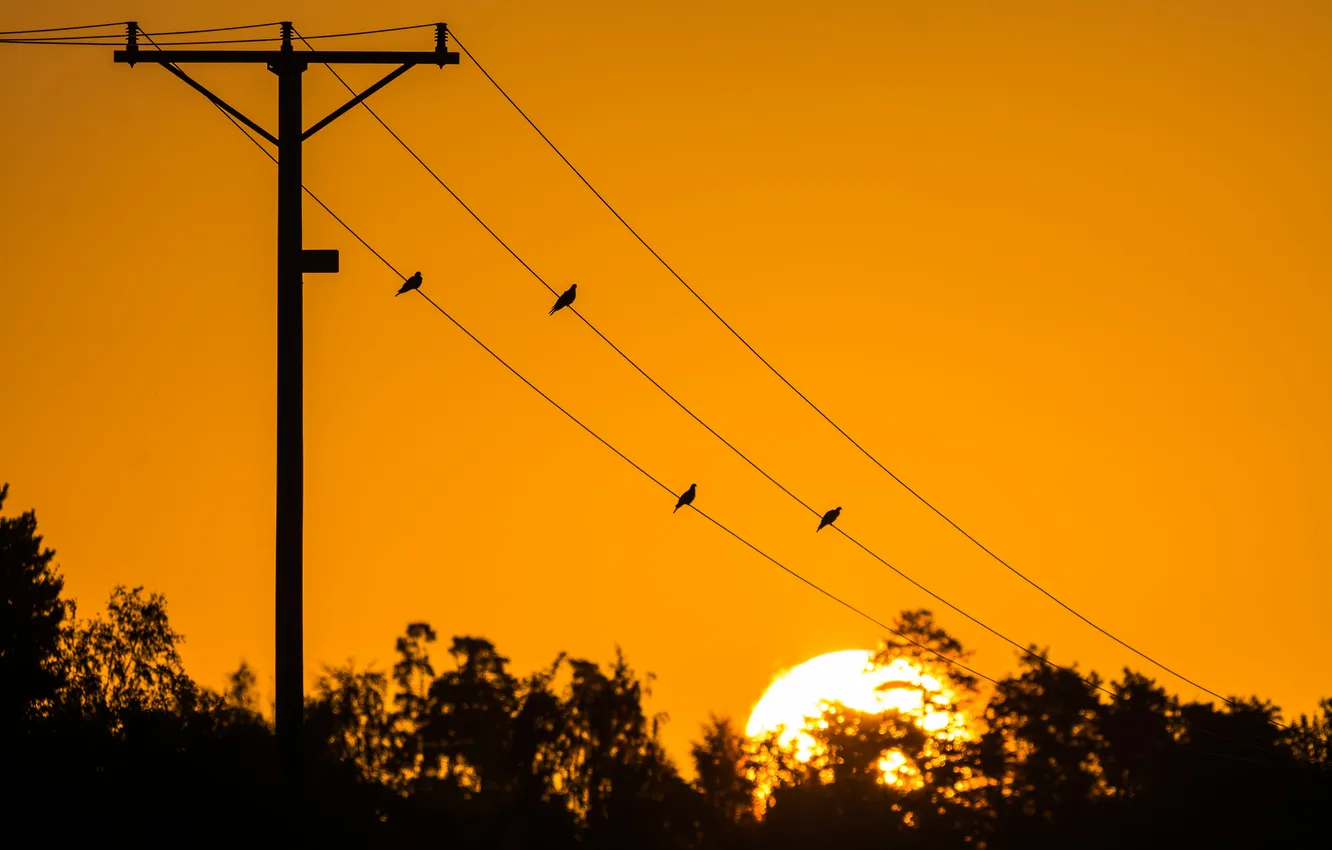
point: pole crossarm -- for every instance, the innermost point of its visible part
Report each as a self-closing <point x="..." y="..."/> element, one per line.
<point x="220" y="102"/>
<point x="330" y="57"/>
<point x="393" y="75"/>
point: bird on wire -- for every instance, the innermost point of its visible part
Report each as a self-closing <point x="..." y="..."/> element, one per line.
<point x="413" y="282"/>
<point x="565" y="300"/>
<point x="686" y="498"/>
<point x="829" y="518"/>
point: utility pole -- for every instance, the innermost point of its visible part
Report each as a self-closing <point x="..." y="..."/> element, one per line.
<point x="293" y="261"/>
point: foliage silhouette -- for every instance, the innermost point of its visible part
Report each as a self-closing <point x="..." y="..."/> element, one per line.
<point x="30" y="619"/>
<point x="107" y="738"/>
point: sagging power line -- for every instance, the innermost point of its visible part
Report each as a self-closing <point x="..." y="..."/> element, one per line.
<point x="1026" y="649"/>
<point x="600" y="197"/>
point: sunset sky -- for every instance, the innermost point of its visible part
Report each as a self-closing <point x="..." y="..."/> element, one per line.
<point x="1063" y="267"/>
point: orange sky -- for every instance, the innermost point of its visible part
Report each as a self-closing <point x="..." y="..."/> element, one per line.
<point x="1063" y="267"/>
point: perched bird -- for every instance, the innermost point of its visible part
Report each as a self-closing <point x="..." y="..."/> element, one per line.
<point x="413" y="282"/>
<point x="565" y="300"/>
<point x="828" y="519"/>
<point x="686" y="498"/>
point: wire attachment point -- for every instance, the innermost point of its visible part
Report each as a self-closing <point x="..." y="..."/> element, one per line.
<point x="441" y="42"/>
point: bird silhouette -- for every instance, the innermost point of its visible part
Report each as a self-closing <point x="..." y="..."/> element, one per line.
<point x="828" y="519"/>
<point x="413" y="282"/>
<point x="565" y="300"/>
<point x="686" y="498"/>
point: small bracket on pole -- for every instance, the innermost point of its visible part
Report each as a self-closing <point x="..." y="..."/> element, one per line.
<point x="319" y="261"/>
<point x="132" y="40"/>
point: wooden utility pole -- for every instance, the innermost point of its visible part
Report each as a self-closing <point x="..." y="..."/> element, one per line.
<point x="292" y="262"/>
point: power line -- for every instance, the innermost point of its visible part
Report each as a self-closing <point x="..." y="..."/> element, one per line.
<point x="213" y="29"/>
<point x="62" y="43"/>
<point x="70" y="42"/>
<point x="1019" y="646"/>
<point x="67" y="29"/>
<point x="278" y="38"/>
<point x="368" y="32"/>
<point x="261" y="40"/>
<point x="82" y="37"/>
<point x="74" y="43"/>
<point x="303" y="38"/>
<point x="812" y="405"/>
<point x="41" y="37"/>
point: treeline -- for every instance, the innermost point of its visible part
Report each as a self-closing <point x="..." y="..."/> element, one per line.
<point x="105" y="738"/>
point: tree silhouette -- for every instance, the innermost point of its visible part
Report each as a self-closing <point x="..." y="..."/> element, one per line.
<point x="30" y="618"/>
<point x="724" y="782"/>
<point x="242" y="693"/>
<point x="412" y="676"/>
<point x="1042" y="746"/>
<point x="107" y="739"/>
<point x="467" y="734"/>
<point x="125" y="663"/>
<point x="1311" y="739"/>
<point x="348" y="719"/>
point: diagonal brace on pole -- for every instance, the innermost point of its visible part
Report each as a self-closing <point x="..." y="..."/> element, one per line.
<point x="393" y="75"/>
<point x="222" y="104"/>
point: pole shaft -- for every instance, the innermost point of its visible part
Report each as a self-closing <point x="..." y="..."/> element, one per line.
<point x="290" y="439"/>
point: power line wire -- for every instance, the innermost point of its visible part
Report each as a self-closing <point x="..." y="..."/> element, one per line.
<point x="62" y="43"/>
<point x="213" y="29"/>
<point x="72" y="42"/>
<point x="812" y="405"/>
<point x="41" y="36"/>
<point x="67" y="29"/>
<point x="369" y="32"/>
<point x="82" y="37"/>
<point x="279" y="38"/>
<point x="1019" y="646"/>
<point x="260" y="40"/>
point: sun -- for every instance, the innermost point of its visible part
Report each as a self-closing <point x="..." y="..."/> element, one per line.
<point x="796" y="699"/>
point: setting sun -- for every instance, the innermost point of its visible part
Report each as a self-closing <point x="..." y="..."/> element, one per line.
<point x="795" y="701"/>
